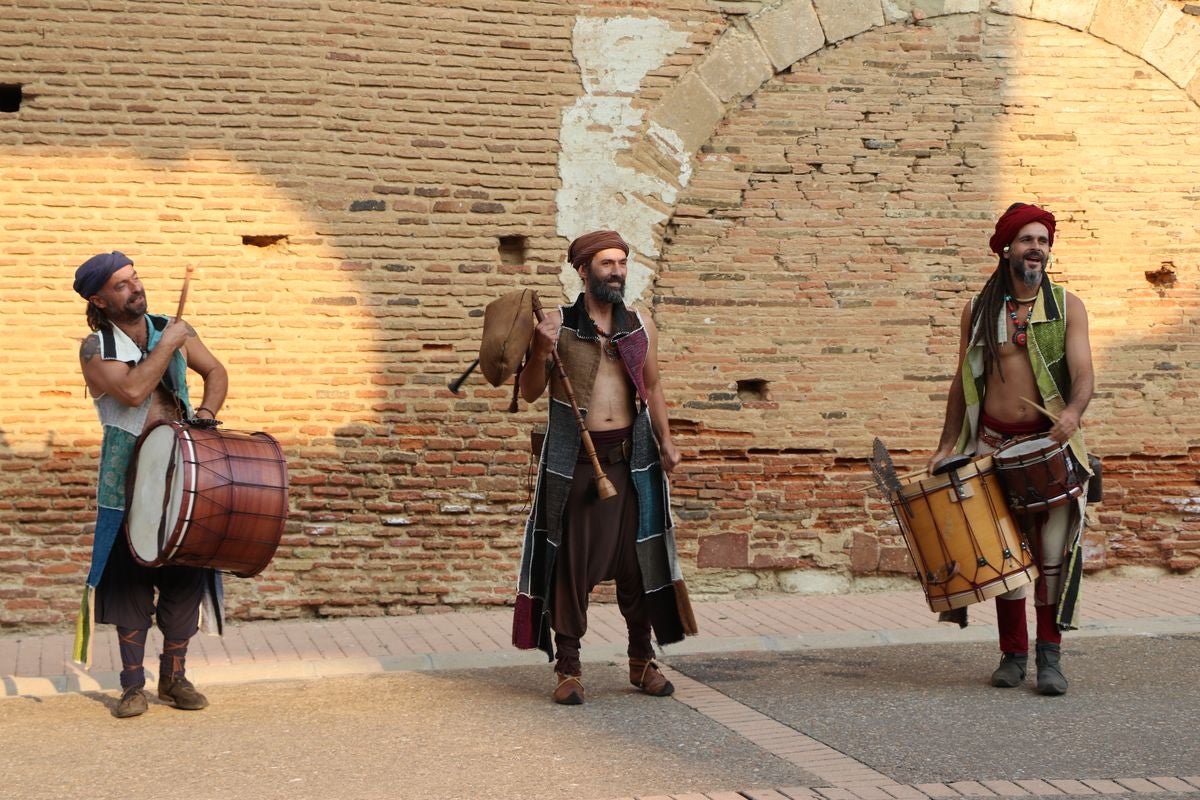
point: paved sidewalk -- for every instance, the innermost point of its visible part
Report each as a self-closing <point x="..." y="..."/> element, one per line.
<point x="32" y="666"/>
<point x="40" y="665"/>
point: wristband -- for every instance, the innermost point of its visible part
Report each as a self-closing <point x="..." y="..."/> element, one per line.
<point x="209" y="410"/>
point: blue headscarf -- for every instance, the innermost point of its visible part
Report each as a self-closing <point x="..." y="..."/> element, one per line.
<point x="95" y="272"/>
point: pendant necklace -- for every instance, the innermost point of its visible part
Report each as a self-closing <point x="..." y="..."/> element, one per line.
<point x="1019" y="328"/>
<point x="608" y="346"/>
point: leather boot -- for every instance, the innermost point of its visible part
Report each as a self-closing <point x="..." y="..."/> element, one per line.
<point x="644" y="674"/>
<point x="569" y="691"/>
<point x="132" y="703"/>
<point x="180" y="692"/>
<point x="1011" y="671"/>
<point x="1050" y="679"/>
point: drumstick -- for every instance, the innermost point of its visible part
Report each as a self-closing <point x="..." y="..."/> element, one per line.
<point x="1039" y="408"/>
<point x="187" y="278"/>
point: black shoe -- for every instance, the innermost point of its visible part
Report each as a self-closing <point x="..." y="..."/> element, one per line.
<point x="1011" y="671"/>
<point x="180" y="693"/>
<point x="132" y="703"/>
<point x="1050" y="679"/>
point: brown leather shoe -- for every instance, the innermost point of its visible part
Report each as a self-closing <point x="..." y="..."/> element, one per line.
<point x="644" y="674"/>
<point x="569" y="691"/>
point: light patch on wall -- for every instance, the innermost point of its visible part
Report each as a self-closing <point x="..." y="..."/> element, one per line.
<point x="273" y="316"/>
<point x="614" y="55"/>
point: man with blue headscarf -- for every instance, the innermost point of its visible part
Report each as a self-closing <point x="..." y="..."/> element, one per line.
<point x="135" y="366"/>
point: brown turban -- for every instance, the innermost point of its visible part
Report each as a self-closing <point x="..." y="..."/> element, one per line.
<point x="582" y="249"/>
<point x="1018" y="216"/>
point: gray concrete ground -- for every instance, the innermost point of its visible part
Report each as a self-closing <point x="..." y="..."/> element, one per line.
<point x="842" y="698"/>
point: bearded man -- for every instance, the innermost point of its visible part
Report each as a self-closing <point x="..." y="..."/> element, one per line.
<point x="573" y="538"/>
<point x="135" y="366"/>
<point x="1025" y="336"/>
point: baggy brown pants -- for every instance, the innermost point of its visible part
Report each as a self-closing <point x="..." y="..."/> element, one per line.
<point x="599" y="543"/>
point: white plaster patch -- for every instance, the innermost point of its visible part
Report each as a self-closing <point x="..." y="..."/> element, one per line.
<point x="614" y="56"/>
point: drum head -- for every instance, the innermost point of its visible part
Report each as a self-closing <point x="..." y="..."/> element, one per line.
<point x="1026" y="447"/>
<point x="154" y="503"/>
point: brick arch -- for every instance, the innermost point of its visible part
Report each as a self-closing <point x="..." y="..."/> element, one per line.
<point x="766" y="43"/>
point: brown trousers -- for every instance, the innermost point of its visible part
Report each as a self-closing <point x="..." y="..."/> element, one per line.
<point x="599" y="543"/>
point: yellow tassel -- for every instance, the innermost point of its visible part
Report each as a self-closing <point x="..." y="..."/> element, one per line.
<point x="85" y="624"/>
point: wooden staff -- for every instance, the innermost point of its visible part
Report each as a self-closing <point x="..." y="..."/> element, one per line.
<point x="187" y="278"/>
<point x="603" y="485"/>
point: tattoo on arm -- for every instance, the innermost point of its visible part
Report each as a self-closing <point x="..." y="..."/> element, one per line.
<point x="89" y="348"/>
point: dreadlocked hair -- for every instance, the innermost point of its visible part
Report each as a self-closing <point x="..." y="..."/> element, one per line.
<point x="95" y="317"/>
<point x="988" y="309"/>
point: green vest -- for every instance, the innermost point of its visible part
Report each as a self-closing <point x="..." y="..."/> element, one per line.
<point x="1047" y="348"/>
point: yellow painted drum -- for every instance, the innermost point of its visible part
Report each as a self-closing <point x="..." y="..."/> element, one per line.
<point x="962" y="538"/>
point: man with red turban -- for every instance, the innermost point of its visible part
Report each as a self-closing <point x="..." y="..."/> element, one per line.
<point x="1025" y="338"/>
<point x="574" y="539"/>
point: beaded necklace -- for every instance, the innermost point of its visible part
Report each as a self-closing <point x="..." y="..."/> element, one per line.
<point x="1019" y="326"/>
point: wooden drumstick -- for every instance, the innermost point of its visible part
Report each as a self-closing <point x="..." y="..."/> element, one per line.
<point x="187" y="278"/>
<point x="604" y="486"/>
<point x="1039" y="408"/>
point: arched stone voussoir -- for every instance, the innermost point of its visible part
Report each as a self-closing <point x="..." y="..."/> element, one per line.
<point x="735" y="66"/>
<point x="1127" y="23"/>
<point x="841" y="19"/>
<point x="691" y="109"/>
<point x="1076" y="14"/>
<point x="1173" y="47"/>
<point x="788" y="32"/>
<point x="904" y="10"/>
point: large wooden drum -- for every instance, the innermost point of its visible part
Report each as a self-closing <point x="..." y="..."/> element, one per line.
<point x="203" y="497"/>
<point x="961" y="536"/>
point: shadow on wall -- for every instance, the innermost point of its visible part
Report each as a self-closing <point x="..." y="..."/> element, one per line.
<point x="348" y="205"/>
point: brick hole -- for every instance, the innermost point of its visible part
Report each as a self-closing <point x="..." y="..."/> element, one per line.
<point x="1163" y="277"/>
<point x="753" y="390"/>
<point x="10" y="97"/>
<point x="512" y="250"/>
<point x="264" y="240"/>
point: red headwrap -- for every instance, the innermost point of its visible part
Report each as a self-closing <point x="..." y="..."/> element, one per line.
<point x="582" y="249"/>
<point x="1018" y="216"/>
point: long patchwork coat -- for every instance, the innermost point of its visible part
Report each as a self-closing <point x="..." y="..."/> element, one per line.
<point x="579" y="348"/>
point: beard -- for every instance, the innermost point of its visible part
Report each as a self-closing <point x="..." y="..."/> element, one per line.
<point x="133" y="310"/>
<point x="603" y="292"/>
<point x="1030" y="276"/>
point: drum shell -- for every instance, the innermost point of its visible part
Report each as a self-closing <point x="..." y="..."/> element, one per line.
<point x="963" y="540"/>
<point x="1038" y="474"/>
<point x="228" y="490"/>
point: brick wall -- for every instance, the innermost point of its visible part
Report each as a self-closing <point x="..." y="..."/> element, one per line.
<point x="340" y="176"/>
<point x="835" y="228"/>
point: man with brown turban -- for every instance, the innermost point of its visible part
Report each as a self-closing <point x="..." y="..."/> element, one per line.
<point x="574" y="539"/>
<point x="1025" y="336"/>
